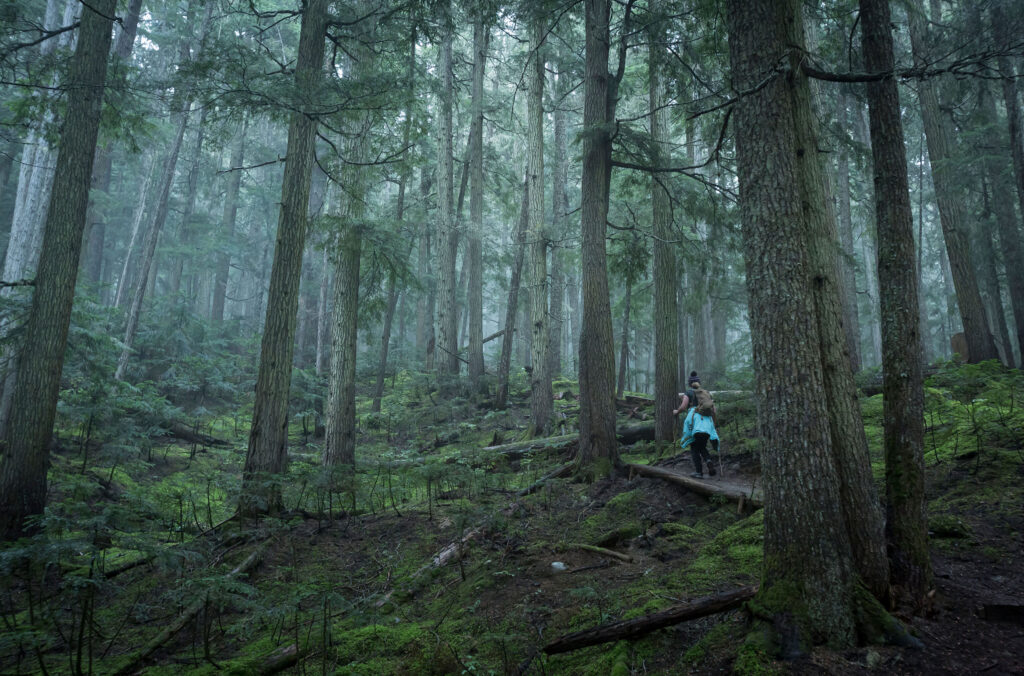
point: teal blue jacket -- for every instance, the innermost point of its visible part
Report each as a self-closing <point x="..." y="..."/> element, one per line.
<point x="695" y="422"/>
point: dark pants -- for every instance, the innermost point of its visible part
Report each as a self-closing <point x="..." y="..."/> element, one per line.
<point x="700" y="451"/>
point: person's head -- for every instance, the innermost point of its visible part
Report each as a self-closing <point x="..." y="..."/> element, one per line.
<point x="693" y="380"/>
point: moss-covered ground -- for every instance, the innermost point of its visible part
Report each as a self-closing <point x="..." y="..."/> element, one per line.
<point x="347" y="573"/>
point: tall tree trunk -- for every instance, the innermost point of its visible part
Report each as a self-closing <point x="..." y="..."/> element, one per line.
<point x="986" y="262"/>
<point x="559" y="212"/>
<point x="868" y="248"/>
<point x="143" y="275"/>
<point x="125" y="281"/>
<point x="598" y="450"/>
<point x="392" y="288"/>
<point x="952" y="215"/>
<point x="807" y="550"/>
<point x="847" y="277"/>
<point x="268" y="437"/>
<point x="902" y="385"/>
<point x="220" y="283"/>
<point x="620" y="390"/>
<point x="447" y="235"/>
<point x="185" y="232"/>
<point x="512" y="306"/>
<point x="859" y="499"/>
<point x="322" y="325"/>
<point x="474" y="249"/>
<point x="541" y="400"/>
<point x="1010" y="237"/>
<point x="666" y="360"/>
<point x="340" y="414"/>
<point x="97" y="229"/>
<point x="29" y="430"/>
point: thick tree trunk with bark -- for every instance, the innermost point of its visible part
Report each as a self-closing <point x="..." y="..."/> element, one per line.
<point x="809" y="566"/>
<point x="952" y="214"/>
<point x="860" y="504"/>
<point x="666" y="361"/>
<point x="903" y="390"/>
<point x="447" y="235"/>
<point x="598" y="452"/>
<point x="474" y="249"/>
<point x="268" y="437"/>
<point x="29" y="430"/>
<point x="340" y="412"/>
<point x="541" y="402"/>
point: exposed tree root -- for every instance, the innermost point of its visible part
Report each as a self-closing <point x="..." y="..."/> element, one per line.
<point x="602" y="550"/>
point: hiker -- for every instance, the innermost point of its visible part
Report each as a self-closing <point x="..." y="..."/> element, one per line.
<point x="696" y="397"/>
<point x="697" y="431"/>
<point x="688" y="398"/>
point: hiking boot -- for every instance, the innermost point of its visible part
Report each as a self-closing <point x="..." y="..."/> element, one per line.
<point x="697" y="475"/>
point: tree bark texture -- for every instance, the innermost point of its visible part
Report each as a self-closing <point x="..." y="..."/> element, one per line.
<point x="541" y="401"/>
<point x="620" y="388"/>
<point x="559" y="210"/>
<point x="340" y="414"/>
<point x="268" y="437"/>
<point x="860" y="505"/>
<point x="598" y="451"/>
<point x="808" y="566"/>
<point x="952" y="214"/>
<point x="447" y="234"/>
<point x="666" y="360"/>
<point x="474" y="249"/>
<point x="29" y="430"/>
<point x="902" y="385"/>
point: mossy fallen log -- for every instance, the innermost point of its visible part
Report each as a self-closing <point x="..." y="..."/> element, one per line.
<point x="706" y="488"/>
<point x="640" y="626"/>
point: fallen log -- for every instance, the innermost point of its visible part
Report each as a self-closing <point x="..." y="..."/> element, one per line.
<point x="626" y="558"/>
<point x="696" y="485"/>
<point x="629" y="629"/>
<point x="279" y="660"/>
<point x="180" y="430"/>
<point x="136" y="660"/>
<point x="531" y="444"/>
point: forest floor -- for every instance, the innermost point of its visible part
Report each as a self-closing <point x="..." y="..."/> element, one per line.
<point x="359" y="591"/>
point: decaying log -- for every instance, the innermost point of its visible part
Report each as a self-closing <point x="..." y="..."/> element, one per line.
<point x="631" y="434"/>
<point x="169" y="632"/>
<point x="180" y="430"/>
<point x="279" y="660"/>
<point x="531" y="444"/>
<point x="707" y="488"/>
<point x="628" y="629"/>
<point x="602" y="550"/>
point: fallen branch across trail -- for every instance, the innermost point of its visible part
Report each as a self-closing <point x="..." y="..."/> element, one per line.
<point x="640" y="626"/>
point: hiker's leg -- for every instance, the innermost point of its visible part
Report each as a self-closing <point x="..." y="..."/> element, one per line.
<point x="700" y="443"/>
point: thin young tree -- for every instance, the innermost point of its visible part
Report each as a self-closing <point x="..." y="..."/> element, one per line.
<point x="29" y="430"/>
<point x="268" y="437"/>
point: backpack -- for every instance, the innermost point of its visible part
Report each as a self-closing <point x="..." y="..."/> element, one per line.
<point x="705" y="403"/>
